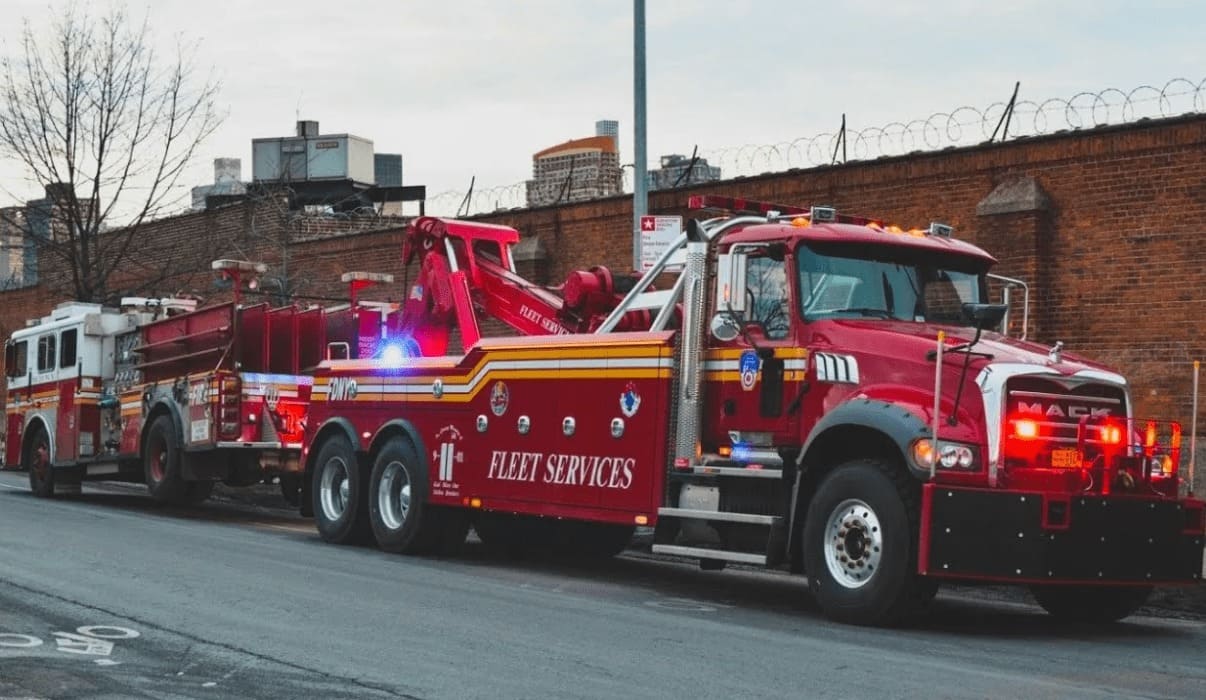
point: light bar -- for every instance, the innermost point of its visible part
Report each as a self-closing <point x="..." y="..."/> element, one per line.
<point x="735" y="204"/>
<point x="240" y="265"/>
<point x="357" y="276"/>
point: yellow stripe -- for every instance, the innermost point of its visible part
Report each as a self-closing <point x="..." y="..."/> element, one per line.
<point x="736" y="353"/>
<point x="626" y="373"/>
<point x="610" y="350"/>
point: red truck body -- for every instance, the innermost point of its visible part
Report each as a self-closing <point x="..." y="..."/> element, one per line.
<point x="798" y="432"/>
<point x="163" y="392"/>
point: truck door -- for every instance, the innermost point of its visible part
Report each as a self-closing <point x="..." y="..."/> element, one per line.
<point x="68" y="419"/>
<point x="755" y="379"/>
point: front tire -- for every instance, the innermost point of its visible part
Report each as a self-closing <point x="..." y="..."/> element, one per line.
<point x="1091" y="604"/>
<point x="36" y="460"/>
<point x="338" y="494"/>
<point x="860" y="544"/>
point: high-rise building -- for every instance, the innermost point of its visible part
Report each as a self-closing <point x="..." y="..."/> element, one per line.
<point x="586" y="168"/>
<point x="680" y="171"/>
<point x="608" y="127"/>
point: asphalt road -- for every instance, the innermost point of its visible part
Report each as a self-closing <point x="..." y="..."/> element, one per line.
<point x="108" y="595"/>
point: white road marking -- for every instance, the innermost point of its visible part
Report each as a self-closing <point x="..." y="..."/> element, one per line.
<point x="106" y="662"/>
<point x="109" y="632"/>
<point x="80" y="644"/>
<point x="14" y="488"/>
<point x="19" y="641"/>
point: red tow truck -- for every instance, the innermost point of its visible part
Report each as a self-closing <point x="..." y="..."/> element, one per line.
<point x="163" y="392"/>
<point x="777" y="405"/>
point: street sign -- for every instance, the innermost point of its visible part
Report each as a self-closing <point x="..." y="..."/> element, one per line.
<point x="657" y="233"/>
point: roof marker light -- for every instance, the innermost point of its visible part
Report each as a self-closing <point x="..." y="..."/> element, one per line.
<point x="823" y="215"/>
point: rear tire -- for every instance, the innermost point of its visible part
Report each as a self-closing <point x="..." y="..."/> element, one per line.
<point x="860" y="545"/>
<point x="338" y="493"/>
<point x="161" y="463"/>
<point x="1092" y="604"/>
<point x="402" y="520"/>
<point x="36" y="460"/>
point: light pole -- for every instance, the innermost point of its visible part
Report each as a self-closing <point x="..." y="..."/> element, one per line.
<point x="640" y="191"/>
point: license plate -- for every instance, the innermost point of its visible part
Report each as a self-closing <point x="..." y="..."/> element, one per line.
<point x="1065" y="458"/>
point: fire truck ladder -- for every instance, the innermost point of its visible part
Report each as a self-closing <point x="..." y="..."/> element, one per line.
<point x="697" y="507"/>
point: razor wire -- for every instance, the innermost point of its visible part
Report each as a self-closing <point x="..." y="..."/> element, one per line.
<point x="961" y="127"/>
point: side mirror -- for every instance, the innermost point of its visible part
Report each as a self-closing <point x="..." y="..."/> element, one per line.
<point x="725" y="327"/>
<point x="984" y="316"/>
<point x="730" y="282"/>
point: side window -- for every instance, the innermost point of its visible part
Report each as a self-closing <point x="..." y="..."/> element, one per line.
<point x="46" y="347"/>
<point x="766" y="285"/>
<point x="16" y="359"/>
<point x="67" y="352"/>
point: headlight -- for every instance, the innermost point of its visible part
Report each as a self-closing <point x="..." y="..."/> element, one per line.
<point x="951" y="455"/>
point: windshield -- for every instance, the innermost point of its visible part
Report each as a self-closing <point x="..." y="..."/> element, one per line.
<point x="843" y="282"/>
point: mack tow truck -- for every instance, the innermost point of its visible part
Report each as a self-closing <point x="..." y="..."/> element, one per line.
<point x="164" y="392"/>
<point x="811" y="391"/>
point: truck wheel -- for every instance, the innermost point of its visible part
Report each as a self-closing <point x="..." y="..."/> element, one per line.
<point x="860" y="545"/>
<point x="37" y="462"/>
<point x="402" y="519"/>
<point x="1097" y="604"/>
<point x="338" y="494"/>
<point x="161" y="463"/>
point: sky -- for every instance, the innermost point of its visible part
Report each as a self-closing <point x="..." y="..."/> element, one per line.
<point x="465" y="88"/>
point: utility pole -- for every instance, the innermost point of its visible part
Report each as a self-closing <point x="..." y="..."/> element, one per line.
<point x="640" y="188"/>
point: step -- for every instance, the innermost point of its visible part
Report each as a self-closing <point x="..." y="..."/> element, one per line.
<point x="745" y="472"/>
<point x="692" y="514"/>
<point x="705" y="553"/>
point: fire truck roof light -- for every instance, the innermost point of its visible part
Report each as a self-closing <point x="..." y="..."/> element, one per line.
<point x="240" y="265"/>
<point x="358" y="276"/>
<point x="943" y="230"/>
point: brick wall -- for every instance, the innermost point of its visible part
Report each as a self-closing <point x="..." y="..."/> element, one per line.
<point x="1105" y="224"/>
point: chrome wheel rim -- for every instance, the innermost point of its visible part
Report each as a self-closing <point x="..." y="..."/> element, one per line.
<point x="334" y="489"/>
<point x="393" y="495"/>
<point x="853" y="543"/>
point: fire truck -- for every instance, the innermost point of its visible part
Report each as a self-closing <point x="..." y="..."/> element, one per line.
<point x="163" y="392"/>
<point x="808" y="390"/>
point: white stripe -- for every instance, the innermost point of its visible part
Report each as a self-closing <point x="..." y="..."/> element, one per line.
<point x="446" y="462"/>
<point x="502" y="365"/>
<point x="842" y="371"/>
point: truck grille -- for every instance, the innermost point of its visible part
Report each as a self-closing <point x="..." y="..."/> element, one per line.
<point x="1043" y="422"/>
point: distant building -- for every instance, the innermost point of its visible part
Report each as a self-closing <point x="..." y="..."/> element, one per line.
<point x="334" y="172"/>
<point x="13" y="244"/>
<point x="228" y="181"/>
<point x="608" y="127"/>
<point x="23" y="229"/>
<point x="586" y="168"/>
<point x="680" y="171"/>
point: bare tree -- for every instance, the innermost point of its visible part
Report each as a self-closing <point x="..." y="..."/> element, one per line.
<point x="92" y="112"/>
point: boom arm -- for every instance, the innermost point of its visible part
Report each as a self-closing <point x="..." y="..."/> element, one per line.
<point x="466" y="267"/>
